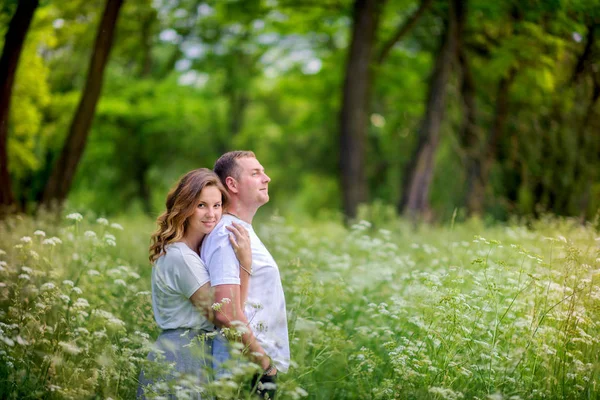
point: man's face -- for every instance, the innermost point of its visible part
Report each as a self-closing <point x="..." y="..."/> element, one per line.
<point x="253" y="183"/>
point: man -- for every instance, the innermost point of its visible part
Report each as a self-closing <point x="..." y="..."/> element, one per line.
<point x="265" y="314"/>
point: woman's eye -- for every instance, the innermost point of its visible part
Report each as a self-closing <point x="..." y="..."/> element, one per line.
<point x="217" y="206"/>
<point x="200" y="205"/>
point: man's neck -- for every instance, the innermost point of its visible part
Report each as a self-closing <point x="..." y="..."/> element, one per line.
<point x="243" y="213"/>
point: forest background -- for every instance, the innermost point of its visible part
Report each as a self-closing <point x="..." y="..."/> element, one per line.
<point x="418" y="108"/>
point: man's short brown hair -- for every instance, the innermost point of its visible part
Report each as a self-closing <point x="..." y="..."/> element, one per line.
<point x="227" y="165"/>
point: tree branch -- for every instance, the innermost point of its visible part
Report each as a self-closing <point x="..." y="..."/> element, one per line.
<point x="403" y="30"/>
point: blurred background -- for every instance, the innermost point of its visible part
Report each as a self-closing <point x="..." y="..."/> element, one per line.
<point x="428" y="108"/>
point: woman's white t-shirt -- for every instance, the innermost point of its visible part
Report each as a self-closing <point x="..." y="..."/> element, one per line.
<point x="176" y="276"/>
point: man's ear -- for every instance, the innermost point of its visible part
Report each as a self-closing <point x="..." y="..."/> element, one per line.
<point x="231" y="184"/>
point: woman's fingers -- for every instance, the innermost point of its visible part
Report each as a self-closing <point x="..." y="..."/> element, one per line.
<point x="241" y="234"/>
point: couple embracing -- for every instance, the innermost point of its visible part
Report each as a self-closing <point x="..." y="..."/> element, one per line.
<point x="205" y="252"/>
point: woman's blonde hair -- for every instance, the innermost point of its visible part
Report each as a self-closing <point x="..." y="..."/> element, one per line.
<point x="182" y="200"/>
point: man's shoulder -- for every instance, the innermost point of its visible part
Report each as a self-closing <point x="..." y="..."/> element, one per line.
<point x="218" y="235"/>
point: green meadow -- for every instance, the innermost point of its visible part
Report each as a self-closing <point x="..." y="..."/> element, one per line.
<point x="384" y="311"/>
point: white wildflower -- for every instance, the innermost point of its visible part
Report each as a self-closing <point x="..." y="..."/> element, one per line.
<point x="70" y="348"/>
<point x="111" y="243"/>
<point x="81" y="303"/>
<point x="75" y="216"/>
<point x="26" y="270"/>
<point x="77" y="290"/>
<point x="34" y="254"/>
<point x="90" y="234"/>
<point x="93" y="272"/>
<point x="102" y="221"/>
<point x="116" y="226"/>
<point x="226" y="300"/>
<point x="39" y="233"/>
<point x="65" y="298"/>
<point x="120" y="282"/>
<point x="26" y="239"/>
<point x="2" y="252"/>
<point x="47" y="286"/>
<point x="109" y="236"/>
<point x="68" y="283"/>
<point x="25" y="277"/>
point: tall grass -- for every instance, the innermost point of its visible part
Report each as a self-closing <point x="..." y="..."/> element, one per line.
<point x="441" y="312"/>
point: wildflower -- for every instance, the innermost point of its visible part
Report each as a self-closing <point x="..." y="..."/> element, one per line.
<point x="216" y="306"/>
<point x="70" y="348"/>
<point x="53" y="241"/>
<point x="25" y="277"/>
<point x="82" y="331"/>
<point x="100" y="334"/>
<point x="116" y="226"/>
<point x="68" y="283"/>
<point x="81" y="303"/>
<point x="90" y="234"/>
<point x="108" y="236"/>
<point x="65" y="298"/>
<point x="18" y="246"/>
<point x="120" y="282"/>
<point x="77" y="290"/>
<point x="226" y="300"/>
<point x="34" y="254"/>
<point x="75" y="216"/>
<point x="111" y="243"/>
<point x="26" y="270"/>
<point x="2" y="252"/>
<point x="39" y="233"/>
<point x="26" y="239"/>
<point x="47" y="286"/>
<point x="93" y="272"/>
<point x="102" y="221"/>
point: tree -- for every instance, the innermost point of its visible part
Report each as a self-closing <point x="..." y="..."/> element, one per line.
<point x="64" y="170"/>
<point x="419" y="170"/>
<point x="13" y="45"/>
<point x="353" y="115"/>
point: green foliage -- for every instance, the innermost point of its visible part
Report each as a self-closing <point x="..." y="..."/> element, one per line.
<point x="188" y="80"/>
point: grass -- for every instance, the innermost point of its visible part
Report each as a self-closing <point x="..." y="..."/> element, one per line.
<point x="447" y="312"/>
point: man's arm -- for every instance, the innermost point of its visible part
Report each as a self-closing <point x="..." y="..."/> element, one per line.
<point x="231" y="311"/>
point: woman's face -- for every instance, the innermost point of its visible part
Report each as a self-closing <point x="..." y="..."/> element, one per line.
<point x="208" y="211"/>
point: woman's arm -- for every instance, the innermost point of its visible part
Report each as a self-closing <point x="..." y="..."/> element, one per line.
<point x="240" y="241"/>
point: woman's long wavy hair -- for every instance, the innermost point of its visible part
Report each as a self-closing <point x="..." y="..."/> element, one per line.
<point x="182" y="201"/>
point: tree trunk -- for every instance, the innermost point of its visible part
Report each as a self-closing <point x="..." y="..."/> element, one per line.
<point x="419" y="171"/>
<point x="480" y="166"/>
<point x="13" y="45"/>
<point x="355" y="101"/>
<point x="62" y="176"/>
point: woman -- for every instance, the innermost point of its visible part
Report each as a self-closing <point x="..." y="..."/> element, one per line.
<point x="181" y="296"/>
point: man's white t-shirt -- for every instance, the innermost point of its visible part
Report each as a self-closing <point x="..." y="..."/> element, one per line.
<point x="265" y="306"/>
<point x="176" y="276"/>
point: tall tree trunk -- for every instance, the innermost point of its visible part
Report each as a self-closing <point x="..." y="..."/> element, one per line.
<point x="13" y="46"/>
<point x="481" y="164"/>
<point x="469" y="134"/>
<point x="355" y="102"/>
<point x="419" y="171"/>
<point x="62" y="176"/>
